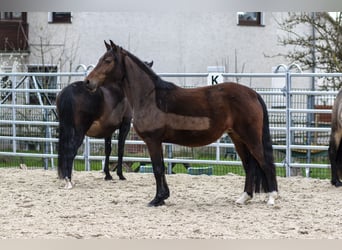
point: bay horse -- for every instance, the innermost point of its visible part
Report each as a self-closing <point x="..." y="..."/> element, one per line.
<point x="96" y="114"/>
<point x="164" y="112"/>
<point x="335" y="145"/>
<point x="93" y="113"/>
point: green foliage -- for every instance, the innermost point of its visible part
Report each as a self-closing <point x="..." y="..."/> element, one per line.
<point x="319" y="46"/>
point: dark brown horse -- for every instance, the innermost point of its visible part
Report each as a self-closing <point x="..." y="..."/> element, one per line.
<point x="97" y="114"/>
<point x="335" y="145"/>
<point x="164" y="112"/>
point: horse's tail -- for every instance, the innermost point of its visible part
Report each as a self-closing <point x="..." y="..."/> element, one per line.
<point x="338" y="124"/>
<point x="266" y="175"/>
<point x="338" y="158"/>
<point x="339" y="154"/>
<point x="65" y="108"/>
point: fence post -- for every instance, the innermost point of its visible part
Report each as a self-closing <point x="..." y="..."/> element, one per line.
<point x="14" y="116"/>
<point x="289" y="117"/>
<point x="45" y="118"/>
<point x="86" y="154"/>
<point x="169" y="155"/>
<point x="287" y="92"/>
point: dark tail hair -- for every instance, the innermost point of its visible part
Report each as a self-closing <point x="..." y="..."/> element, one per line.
<point x="339" y="154"/>
<point x="338" y="162"/>
<point x="266" y="176"/>
<point x="65" y="109"/>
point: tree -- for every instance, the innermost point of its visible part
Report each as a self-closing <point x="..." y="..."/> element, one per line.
<point x="320" y="47"/>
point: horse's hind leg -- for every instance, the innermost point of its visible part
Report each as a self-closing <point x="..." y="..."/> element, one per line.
<point x="260" y="166"/>
<point x="67" y="152"/>
<point x="247" y="161"/>
<point x="334" y="150"/>
<point x="265" y="174"/>
<point x="108" y="150"/>
<point x="123" y="132"/>
<point x="249" y="179"/>
<point x="76" y="143"/>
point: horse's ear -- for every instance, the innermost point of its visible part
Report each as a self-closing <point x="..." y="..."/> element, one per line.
<point x="107" y="45"/>
<point x="114" y="47"/>
<point x="150" y="64"/>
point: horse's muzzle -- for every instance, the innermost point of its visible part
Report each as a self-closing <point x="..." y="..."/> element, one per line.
<point x="91" y="86"/>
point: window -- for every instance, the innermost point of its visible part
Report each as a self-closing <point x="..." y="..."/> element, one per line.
<point x="10" y="16"/>
<point x="59" y="17"/>
<point x="250" y="18"/>
<point x="13" y="32"/>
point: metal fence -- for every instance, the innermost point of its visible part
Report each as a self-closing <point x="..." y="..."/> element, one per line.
<point x="299" y="127"/>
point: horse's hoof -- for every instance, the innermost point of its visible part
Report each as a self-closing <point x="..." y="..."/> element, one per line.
<point x="336" y="183"/>
<point x="68" y="185"/>
<point x="272" y="197"/>
<point x="122" y="178"/>
<point x="243" y="199"/>
<point x="108" y="178"/>
<point x="156" y="202"/>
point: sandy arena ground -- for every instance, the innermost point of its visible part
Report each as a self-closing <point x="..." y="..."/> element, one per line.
<point x="34" y="204"/>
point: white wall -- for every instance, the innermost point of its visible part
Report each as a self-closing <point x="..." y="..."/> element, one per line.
<point x="175" y="41"/>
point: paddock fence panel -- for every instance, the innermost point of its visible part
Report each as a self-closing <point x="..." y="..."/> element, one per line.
<point x="300" y="120"/>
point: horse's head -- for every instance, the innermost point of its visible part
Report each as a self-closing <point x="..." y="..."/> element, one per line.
<point x="110" y="67"/>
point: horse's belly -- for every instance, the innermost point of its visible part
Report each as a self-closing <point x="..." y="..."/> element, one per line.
<point x="193" y="138"/>
<point x="97" y="130"/>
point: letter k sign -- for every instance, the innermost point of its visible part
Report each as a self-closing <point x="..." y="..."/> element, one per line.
<point x="215" y="78"/>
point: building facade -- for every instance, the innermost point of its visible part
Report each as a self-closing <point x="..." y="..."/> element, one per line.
<point x="177" y="42"/>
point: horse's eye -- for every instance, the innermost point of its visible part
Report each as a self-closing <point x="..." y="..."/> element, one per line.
<point x="108" y="60"/>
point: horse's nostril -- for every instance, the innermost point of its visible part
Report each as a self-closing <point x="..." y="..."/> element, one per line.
<point x="88" y="84"/>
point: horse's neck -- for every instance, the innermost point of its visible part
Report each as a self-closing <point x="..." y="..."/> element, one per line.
<point x="139" y="87"/>
<point x="113" y="88"/>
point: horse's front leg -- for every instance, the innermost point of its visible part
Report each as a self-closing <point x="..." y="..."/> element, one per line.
<point x="123" y="132"/>
<point x="163" y="192"/>
<point x="108" y="150"/>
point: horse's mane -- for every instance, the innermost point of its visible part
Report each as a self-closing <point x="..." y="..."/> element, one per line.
<point x="158" y="82"/>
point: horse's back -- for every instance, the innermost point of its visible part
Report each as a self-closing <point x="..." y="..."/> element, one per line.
<point x="77" y="106"/>
<point x="205" y="101"/>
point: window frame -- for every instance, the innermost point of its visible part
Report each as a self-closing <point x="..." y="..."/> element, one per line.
<point x="14" y="32"/>
<point x="259" y="22"/>
<point x="10" y="17"/>
<point x="59" y="17"/>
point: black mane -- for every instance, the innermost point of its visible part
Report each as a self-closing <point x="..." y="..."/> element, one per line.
<point x="158" y="82"/>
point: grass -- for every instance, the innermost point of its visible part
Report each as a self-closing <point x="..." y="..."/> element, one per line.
<point x="37" y="162"/>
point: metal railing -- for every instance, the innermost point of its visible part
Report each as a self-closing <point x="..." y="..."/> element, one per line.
<point x="10" y="108"/>
<point x="289" y="110"/>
